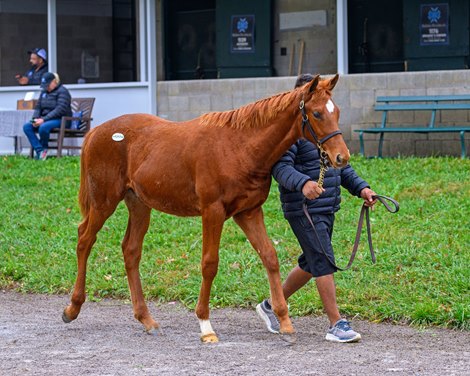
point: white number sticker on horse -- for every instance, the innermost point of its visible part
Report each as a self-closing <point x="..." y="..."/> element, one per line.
<point x="118" y="137"/>
<point x="330" y="106"/>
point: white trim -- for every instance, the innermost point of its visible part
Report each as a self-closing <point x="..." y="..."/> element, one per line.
<point x="52" y="35"/>
<point x="142" y="40"/>
<point x="103" y="85"/>
<point x="151" y="57"/>
<point x="342" y="36"/>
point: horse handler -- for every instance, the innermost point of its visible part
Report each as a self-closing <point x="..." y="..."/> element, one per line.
<point x="297" y="173"/>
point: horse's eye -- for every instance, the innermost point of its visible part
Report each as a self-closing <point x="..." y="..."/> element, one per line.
<point x="317" y="114"/>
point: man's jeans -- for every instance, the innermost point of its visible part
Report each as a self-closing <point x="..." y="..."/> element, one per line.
<point x="44" y="132"/>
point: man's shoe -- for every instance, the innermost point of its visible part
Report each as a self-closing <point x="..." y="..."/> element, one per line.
<point x="342" y="332"/>
<point x="43" y="155"/>
<point x="265" y="311"/>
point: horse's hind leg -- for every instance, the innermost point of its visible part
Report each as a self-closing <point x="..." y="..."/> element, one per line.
<point x="139" y="220"/>
<point x="87" y="231"/>
<point x="252" y="224"/>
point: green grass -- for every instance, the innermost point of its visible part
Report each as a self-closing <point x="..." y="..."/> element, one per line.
<point x="422" y="275"/>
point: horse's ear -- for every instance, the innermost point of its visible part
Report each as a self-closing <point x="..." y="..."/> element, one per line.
<point x="313" y="84"/>
<point x="333" y="82"/>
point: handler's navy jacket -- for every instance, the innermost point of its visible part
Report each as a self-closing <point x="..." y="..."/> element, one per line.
<point x="302" y="163"/>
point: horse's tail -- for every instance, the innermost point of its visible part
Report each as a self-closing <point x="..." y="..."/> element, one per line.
<point x="84" y="194"/>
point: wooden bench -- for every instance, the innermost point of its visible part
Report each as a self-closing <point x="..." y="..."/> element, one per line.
<point x="82" y="108"/>
<point x="431" y="103"/>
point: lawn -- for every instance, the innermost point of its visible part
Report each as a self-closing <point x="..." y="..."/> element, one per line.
<point x="422" y="274"/>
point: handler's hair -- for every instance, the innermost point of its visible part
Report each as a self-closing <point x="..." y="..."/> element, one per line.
<point x="57" y="78"/>
<point x="303" y="79"/>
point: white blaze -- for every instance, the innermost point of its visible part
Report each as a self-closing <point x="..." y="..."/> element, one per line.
<point x="330" y="106"/>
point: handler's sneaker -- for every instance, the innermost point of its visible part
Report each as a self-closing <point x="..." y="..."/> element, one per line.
<point x="269" y="317"/>
<point x="342" y="332"/>
<point x="43" y="155"/>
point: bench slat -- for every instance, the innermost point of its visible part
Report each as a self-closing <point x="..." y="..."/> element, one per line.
<point x="423" y="98"/>
<point x="414" y="130"/>
<point x="422" y="106"/>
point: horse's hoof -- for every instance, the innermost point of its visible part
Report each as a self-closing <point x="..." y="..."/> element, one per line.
<point x="154" y="331"/>
<point x="209" y="338"/>
<point x="65" y="318"/>
<point x="290" y="338"/>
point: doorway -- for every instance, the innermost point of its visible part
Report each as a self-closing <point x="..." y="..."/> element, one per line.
<point x="190" y="39"/>
<point x="375" y="31"/>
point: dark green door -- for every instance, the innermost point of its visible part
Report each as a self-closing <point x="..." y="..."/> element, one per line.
<point x="375" y="29"/>
<point x="243" y="38"/>
<point x="190" y="39"/>
<point x="436" y="34"/>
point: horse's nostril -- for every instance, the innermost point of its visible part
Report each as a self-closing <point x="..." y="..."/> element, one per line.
<point x="339" y="159"/>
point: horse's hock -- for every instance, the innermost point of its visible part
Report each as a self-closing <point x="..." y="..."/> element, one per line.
<point x="355" y="94"/>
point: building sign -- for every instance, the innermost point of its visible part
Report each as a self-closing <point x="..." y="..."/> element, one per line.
<point x="434" y="24"/>
<point x="243" y="34"/>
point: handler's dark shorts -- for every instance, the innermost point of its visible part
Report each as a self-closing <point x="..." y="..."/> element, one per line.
<point x="312" y="260"/>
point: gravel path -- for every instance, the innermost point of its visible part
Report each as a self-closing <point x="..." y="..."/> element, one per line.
<point x="106" y="340"/>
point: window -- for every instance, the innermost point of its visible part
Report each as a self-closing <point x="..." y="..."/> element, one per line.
<point x="23" y="27"/>
<point x="96" y="40"/>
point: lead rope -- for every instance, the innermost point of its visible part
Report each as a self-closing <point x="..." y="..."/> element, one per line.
<point x="323" y="165"/>
<point x="364" y="212"/>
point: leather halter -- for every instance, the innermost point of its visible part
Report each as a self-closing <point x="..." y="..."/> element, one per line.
<point x="306" y="124"/>
<point x="319" y="142"/>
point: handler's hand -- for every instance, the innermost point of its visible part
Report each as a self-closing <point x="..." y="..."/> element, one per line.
<point x="311" y="190"/>
<point x="367" y="194"/>
<point x="38" y="122"/>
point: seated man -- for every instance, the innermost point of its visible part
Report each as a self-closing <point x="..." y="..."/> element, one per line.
<point x="53" y="103"/>
<point x="38" y="61"/>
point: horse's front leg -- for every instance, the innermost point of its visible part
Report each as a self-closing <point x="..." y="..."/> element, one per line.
<point x="213" y="219"/>
<point x="252" y="224"/>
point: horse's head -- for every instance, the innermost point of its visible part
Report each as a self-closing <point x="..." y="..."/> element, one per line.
<point x="320" y="119"/>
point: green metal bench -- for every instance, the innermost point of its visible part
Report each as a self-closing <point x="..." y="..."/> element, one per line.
<point x="431" y="103"/>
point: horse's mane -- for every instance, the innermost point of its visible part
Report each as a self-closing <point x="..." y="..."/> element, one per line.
<point x="257" y="114"/>
<point x="253" y="115"/>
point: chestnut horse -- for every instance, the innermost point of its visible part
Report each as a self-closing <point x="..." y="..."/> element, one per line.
<point x="217" y="166"/>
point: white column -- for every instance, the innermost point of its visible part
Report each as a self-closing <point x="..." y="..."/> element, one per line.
<point x="342" y="35"/>
<point x="52" y="35"/>
<point x="142" y="41"/>
<point x="151" y="57"/>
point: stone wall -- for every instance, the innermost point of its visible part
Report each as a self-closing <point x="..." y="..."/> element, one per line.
<point x="355" y="95"/>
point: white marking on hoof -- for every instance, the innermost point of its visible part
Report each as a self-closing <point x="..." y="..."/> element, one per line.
<point x="207" y="333"/>
<point x="206" y="327"/>
<point x="330" y="106"/>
